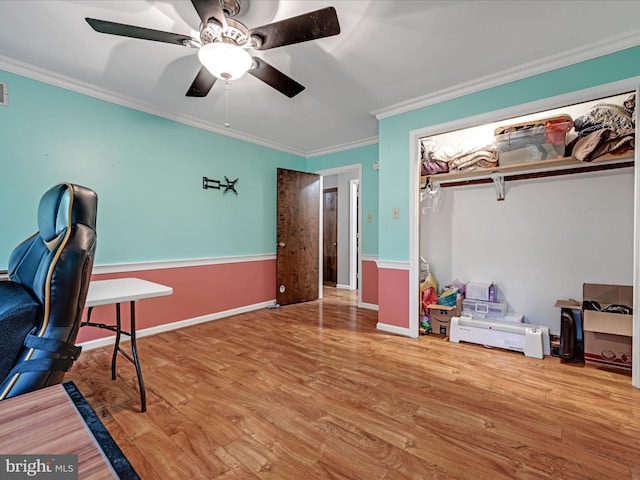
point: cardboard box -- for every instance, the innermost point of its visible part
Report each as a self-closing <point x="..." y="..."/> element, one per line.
<point x="440" y="318"/>
<point x="607" y="336"/>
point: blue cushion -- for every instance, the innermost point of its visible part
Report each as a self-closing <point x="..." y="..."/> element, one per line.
<point x="20" y="311"/>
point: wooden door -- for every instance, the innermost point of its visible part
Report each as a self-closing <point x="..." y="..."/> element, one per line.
<point x="298" y="237"/>
<point x="330" y="236"/>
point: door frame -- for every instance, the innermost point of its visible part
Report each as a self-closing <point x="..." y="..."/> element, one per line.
<point x="354" y="233"/>
<point x="324" y="192"/>
<point x="358" y="254"/>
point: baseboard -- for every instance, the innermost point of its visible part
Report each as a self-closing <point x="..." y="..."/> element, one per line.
<point x="101" y="342"/>
<point x="343" y="286"/>
<point x="394" y="329"/>
<point x="370" y="306"/>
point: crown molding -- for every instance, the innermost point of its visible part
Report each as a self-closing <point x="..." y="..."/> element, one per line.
<point x="553" y="62"/>
<point x="569" y="57"/>
<point x="577" y="96"/>
<point x="51" y="78"/>
<point x="344" y="146"/>
<point x="45" y="76"/>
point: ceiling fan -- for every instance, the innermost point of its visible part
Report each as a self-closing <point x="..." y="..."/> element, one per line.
<point x="223" y="48"/>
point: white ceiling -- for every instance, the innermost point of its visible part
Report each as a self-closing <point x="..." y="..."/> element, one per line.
<point x="390" y="56"/>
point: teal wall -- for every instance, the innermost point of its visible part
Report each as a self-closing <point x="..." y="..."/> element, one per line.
<point x="368" y="188"/>
<point x="147" y="171"/>
<point x="394" y="132"/>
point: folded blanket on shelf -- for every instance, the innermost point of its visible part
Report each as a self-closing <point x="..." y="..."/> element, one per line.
<point x="479" y="159"/>
<point x="468" y="157"/>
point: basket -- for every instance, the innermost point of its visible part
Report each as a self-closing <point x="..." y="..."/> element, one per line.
<point x="448" y="298"/>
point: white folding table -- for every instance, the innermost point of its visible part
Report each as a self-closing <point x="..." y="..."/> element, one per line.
<point x="117" y="291"/>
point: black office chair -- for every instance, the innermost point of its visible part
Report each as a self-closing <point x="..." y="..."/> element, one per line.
<point x="42" y="302"/>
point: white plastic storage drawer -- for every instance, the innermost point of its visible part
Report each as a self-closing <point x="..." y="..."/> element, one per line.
<point x="486" y="309"/>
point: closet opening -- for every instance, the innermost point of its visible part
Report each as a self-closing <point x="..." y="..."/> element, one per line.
<point x="539" y="243"/>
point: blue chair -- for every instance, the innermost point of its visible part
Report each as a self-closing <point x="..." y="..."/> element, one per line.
<point x="41" y="304"/>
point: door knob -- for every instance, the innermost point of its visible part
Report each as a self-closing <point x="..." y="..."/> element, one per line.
<point x="281" y="244"/>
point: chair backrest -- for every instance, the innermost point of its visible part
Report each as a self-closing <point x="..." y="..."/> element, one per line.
<point x="55" y="264"/>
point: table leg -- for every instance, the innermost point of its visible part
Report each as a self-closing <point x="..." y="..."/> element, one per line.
<point x="116" y="346"/>
<point x="133" y="358"/>
<point x="136" y="362"/>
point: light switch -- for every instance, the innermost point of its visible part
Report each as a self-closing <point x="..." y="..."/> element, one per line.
<point x="395" y="213"/>
<point x="369" y="218"/>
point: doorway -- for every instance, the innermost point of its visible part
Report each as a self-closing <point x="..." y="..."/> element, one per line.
<point x="330" y="236"/>
<point x="346" y="181"/>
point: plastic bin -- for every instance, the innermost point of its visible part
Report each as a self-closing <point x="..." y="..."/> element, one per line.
<point x="535" y="133"/>
<point x="485" y="309"/>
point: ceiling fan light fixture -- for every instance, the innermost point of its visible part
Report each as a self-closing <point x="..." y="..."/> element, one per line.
<point x="224" y="60"/>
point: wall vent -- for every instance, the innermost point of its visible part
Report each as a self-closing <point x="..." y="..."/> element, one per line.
<point x="4" y="95"/>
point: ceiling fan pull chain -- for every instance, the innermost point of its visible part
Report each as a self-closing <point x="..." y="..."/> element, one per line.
<point x="226" y="104"/>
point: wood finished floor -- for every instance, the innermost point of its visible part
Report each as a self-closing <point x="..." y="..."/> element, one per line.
<point x="314" y="391"/>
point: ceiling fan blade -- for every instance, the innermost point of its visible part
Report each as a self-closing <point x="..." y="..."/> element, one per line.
<point x="309" y="26"/>
<point x="210" y="9"/>
<point x="123" y="30"/>
<point x="201" y="84"/>
<point x="275" y="78"/>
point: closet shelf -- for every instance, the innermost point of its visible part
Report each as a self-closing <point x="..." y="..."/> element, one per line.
<point x="531" y="167"/>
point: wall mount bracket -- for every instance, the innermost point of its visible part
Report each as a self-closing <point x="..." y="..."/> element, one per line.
<point x="228" y="186"/>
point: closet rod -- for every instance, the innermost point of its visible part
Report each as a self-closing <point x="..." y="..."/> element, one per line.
<point x="547" y="173"/>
